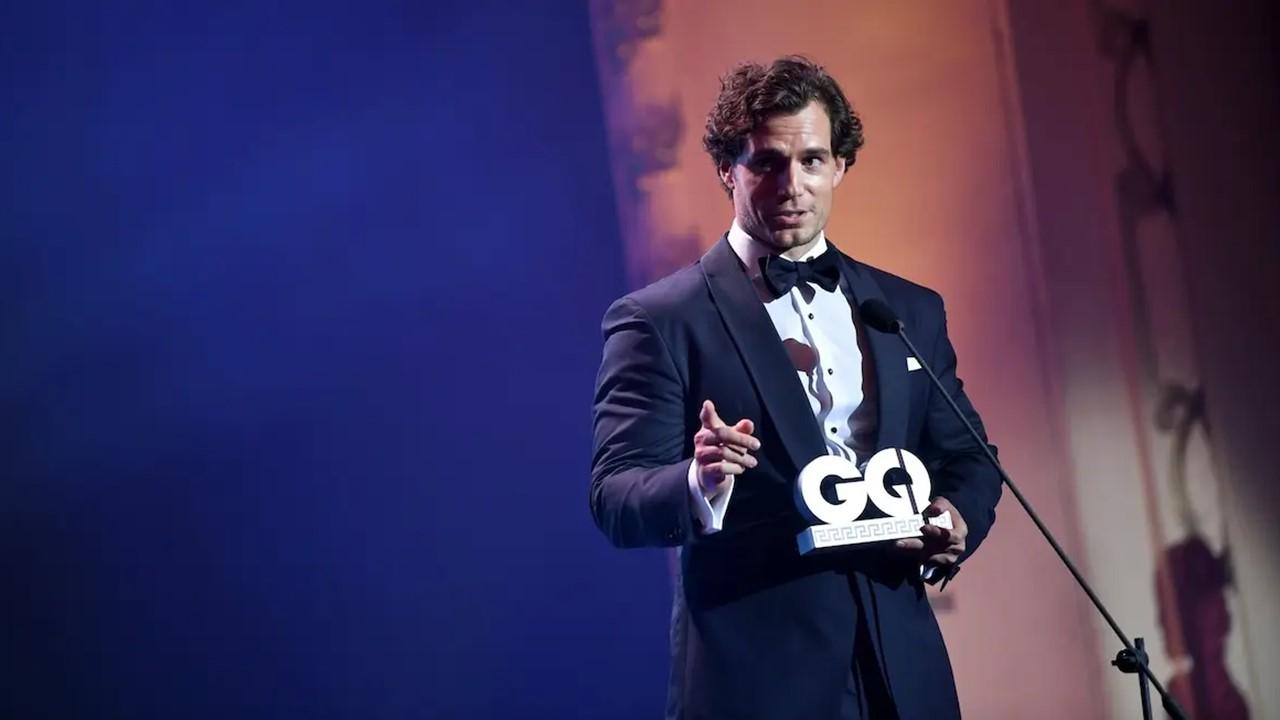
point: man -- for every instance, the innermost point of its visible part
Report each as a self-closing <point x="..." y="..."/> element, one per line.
<point x="721" y="381"/>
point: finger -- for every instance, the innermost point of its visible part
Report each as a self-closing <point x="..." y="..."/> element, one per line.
<point x="729" y="436"/>
<point x="715" y="473"/>
<point x="709" y="417"/>
<point x="937" y="539"/>
<point x="707" y="439"/>
<point x="935" y="532"/>
<point x="736" y="455"/>
<point x="708" y="454"/>
<point x="944" y="559"/>
<point x="910" y="545"/>
<point x="745" y="426"/>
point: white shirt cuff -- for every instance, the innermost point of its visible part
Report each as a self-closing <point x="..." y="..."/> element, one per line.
<point x="709" y="509"/>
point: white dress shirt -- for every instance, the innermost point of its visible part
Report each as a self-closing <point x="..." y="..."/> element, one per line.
<point x="819" y="331"/>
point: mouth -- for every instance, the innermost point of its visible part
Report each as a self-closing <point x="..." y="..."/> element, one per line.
<point x="789" y="218"/>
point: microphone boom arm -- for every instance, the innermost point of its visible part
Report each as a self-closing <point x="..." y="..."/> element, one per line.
<point x="882" y="318"/>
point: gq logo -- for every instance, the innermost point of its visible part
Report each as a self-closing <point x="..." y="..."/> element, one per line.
<point x="896" y="483"/>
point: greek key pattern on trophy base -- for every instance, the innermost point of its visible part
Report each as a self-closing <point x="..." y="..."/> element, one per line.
<point x="860" y="532"/>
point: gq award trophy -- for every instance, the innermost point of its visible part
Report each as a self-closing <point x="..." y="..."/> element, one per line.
<point x="897" y="484"/>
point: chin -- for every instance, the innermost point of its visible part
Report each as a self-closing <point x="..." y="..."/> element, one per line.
<point x="792" y="238"/>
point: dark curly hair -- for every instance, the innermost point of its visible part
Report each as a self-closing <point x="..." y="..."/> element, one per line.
<point x="752" y="93"/>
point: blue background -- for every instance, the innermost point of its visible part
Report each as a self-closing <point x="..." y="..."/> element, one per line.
<point x="301" y="313"/>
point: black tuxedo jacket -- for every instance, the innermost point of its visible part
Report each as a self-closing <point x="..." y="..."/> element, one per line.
<point x="759" y="631"/>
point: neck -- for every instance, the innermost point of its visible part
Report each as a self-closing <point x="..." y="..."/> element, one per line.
<point x="799" y="251"/>
<point x="749" y="250"/>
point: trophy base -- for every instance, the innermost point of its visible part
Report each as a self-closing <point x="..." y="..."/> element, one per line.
<point x="861" y="532"/>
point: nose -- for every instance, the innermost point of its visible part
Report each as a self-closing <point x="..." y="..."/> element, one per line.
<point x="789" y="185"/>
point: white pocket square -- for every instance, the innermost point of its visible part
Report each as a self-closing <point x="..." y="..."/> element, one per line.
<point x="912" y="364"/>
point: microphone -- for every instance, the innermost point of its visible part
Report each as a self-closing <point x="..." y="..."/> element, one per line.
<point x="877" y="315"/>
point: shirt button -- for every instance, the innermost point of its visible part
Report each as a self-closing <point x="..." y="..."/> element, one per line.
<point x="810" y="316"/>
<point x="833" y="431"/>
<point x="831" y="371"/>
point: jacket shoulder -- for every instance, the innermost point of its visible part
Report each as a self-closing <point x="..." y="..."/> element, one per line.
<point x="920" y="307"/>
<point x="897" y="286"/>
<point x="668" y="297"/>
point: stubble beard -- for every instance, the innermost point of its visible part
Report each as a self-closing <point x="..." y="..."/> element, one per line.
<point x="797" y="237"/>
<point x="791" y="239"/>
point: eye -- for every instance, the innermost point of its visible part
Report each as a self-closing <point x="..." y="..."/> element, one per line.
<point x="813" y="161"/>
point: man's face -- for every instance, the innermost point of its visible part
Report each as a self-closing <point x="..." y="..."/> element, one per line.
<point x="783" y="181"/>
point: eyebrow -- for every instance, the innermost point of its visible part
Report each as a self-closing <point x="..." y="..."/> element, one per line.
<point x="770" y="153"/>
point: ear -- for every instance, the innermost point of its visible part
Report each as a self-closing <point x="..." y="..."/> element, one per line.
<point x="841" y="166"/>
<point x="726" y="175"/>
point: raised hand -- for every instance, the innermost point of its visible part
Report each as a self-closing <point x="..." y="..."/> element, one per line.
<point x="721" y="451"/>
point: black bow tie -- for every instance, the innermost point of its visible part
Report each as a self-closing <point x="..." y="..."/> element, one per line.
<point x="781" y="274"/>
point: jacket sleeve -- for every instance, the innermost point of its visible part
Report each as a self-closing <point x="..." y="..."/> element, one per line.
<point x="639" y="474"/>
<point x="957" y="466"/>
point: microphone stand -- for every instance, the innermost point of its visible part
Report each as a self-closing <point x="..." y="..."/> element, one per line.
<point x="1133" y="658"/>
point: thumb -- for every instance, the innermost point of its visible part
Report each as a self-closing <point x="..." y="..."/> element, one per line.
<point x="936" y="507"/>
<point x="708" y="415"/>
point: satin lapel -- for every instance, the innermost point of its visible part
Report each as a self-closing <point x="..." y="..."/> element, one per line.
<point x="888" y="355"/>
<point x="762" y="352"/>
